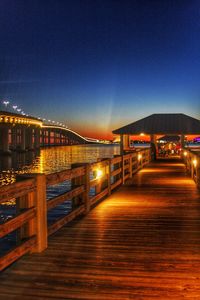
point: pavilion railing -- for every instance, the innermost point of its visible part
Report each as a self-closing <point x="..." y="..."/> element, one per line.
<point x="87" y="184"/>
<point x="192" y="162"/>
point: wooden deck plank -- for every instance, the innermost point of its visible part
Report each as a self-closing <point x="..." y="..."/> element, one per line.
<point x="143" y="242"/>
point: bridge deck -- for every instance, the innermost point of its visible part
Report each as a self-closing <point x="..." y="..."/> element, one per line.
<point x="143" y="242"/>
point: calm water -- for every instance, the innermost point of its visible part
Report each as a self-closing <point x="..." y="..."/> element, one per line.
<point x="50" y="160"/>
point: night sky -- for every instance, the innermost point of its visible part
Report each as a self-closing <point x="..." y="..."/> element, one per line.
<point x="99" y="64"/>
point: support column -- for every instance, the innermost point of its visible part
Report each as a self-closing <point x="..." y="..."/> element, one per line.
<point x="153" y="146"/>
<point x="4" y="141"/>
<point x="23" y="139"/>
<point x="182" y="141"/>
<point x="124" y="143"/>
<point x="29" y="138"/>
<point x="43" y="131"/>
<point x="49" y="137"/>
<point x="37" y="138"/>
<point x="14" y="138"/>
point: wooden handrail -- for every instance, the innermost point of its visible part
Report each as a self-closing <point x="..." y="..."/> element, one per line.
<point x="30" y="192"/>
<point x="69" y="174"/>
<point x="17" y="252"/>
<point x="192" y="162"/>
<point x="17" y="189"/>
<point x="17" y="222"/>
<point x="64" y="197"/>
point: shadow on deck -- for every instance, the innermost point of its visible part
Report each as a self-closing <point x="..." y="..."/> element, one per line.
<point x="143" y="242"/>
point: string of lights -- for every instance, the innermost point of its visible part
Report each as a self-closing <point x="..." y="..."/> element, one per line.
<point x="8" y="106"/>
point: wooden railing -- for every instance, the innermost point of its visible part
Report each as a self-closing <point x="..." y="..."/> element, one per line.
<point x="89" y="183"/>
<point x="192" y="162"/>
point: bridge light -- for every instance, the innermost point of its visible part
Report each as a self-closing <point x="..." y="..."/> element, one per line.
<point x="6" y="103"/>
<point x="142" y="134"/>
<point x="19" y="109"/>
<point x="185" y="153"/>
<point x="14" y="107"/>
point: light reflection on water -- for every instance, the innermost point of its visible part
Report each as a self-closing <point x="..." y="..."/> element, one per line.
<point x="50" y="160"/>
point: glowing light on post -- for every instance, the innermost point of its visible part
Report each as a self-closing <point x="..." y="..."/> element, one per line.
<point x="142" y="134"/>
<point x="19" y="109"/>
<point x="139" y="156"/>
<point x="98" y="173"/>
<point x="195" y="162"/>
<point x="14" y="107"/>
<point x="185" y="153"/>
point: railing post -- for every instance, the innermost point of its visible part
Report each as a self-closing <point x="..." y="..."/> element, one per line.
<point x="109" y="176"/>
<point x="87" y="188"/>
<point x="198" y="172"/>
<point x="41" y="219"/>
<point x="123" y="170"/>
<point x="37" y="226"/>
<point x="28" y="229"/>
<point x="131" y="166"/>
<point x="82" y="180"/>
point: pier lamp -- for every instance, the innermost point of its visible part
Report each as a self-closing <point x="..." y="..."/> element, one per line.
<point x="98" y="173"/>
<point x="194" y="162"/>
<point x="139" y="156"/>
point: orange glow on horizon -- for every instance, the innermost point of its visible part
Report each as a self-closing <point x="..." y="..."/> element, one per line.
<point x="96" y="134"/>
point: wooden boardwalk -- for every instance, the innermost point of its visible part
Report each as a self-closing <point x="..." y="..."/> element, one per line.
<point x="143" y="242"/>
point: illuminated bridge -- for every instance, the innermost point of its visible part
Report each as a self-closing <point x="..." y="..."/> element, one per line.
<point x="18" y="132"/>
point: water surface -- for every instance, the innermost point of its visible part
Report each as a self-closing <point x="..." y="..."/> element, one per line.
<point x="50" y="160"/>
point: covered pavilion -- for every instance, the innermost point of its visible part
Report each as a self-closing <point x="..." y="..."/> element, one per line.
<point x="159" y="124"/>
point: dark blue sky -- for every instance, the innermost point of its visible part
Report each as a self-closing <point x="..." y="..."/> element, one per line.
<point x="100" y="64"/>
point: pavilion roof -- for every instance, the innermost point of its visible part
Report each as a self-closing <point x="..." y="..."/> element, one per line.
<point x="162" y="124"/>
